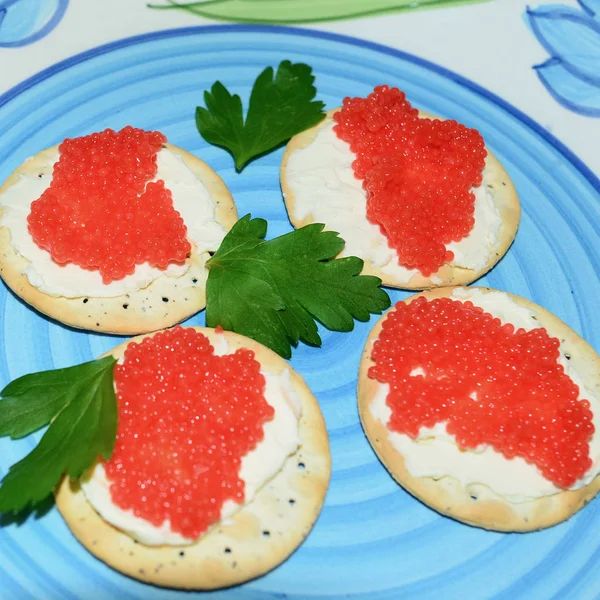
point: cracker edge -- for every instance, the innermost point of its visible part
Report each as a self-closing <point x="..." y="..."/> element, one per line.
<point x="206" y="565"/>
<point x="497" y="181"/>
<point x="447" y="495"/>
<point x="146" y="310"/>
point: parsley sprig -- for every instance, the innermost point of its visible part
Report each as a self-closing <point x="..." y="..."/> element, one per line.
<point x="80" y="405"/>
<point x="274" y="291"/>
<point x="281" y="105"/>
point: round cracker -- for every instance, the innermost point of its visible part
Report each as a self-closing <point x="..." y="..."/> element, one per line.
<point x="253" y="541"/>
<point x="164" y="302"/>
<point x="477" y="504"/>
<point x="495" y="178"/>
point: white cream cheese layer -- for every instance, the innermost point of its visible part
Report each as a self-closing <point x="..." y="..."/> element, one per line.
<point x="436" y="454"/>
<point x="190" y="199"/>
<point x="281" y="439"/>
<point x="323" y="185"/>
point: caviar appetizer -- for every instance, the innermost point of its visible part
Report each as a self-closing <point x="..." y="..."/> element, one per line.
<point x="111" y="231"/>
<point x="420" y="200"/>
<point x="484" y="406"/>
<point x="208" y="467"/>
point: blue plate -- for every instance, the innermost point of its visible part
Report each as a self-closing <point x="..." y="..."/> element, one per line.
<point x="373" y="539"/>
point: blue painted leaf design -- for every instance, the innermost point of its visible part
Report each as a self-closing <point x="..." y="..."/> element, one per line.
<point x="592" y="7"/>
<point x="571" y="36"/>
<point x="570" y="91"/>
<point x="23" y="22"/>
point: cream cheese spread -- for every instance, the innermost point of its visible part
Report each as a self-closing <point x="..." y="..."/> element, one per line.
<point x="190" y="199"/>
<point x="281" y="439"/>
<point x="435" y="453"/>
<point x="322" y="183"/>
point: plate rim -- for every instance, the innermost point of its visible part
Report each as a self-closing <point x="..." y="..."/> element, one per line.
<point x="466" y="83"/>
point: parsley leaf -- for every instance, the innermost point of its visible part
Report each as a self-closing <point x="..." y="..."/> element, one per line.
<point x="279" y="108"/>
<point x="81" y="407"/>
<point x="273" y="291"/>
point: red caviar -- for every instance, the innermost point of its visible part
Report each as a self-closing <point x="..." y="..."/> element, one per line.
<point x="100" y="211"/>
<point x="417" y="173"/>
<point x="186" y="419"/>
<point x="524" y="404"/>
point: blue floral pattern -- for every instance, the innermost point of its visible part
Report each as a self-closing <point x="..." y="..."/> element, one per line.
<point x="572" y="38"/>
<point x="23" y="22"/>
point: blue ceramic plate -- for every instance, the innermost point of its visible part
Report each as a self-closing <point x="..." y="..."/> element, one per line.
<point x="373" y="539"/>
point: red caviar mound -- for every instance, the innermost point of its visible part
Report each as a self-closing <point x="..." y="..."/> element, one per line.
<point x="101" y="213"/>
<point x="417" y="173"/>
<point x="186" y="419"/>
<point x="489" y="383"/>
